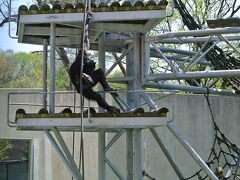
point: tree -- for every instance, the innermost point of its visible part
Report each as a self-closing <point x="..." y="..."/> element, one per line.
<point x="20" y="70"/>
<point x="6" y="71"/>
<point x="5" y="145"/>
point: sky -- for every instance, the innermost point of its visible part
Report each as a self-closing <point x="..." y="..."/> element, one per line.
<point x="9" y="43"/>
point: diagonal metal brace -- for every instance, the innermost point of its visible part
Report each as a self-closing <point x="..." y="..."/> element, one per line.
<point x="67" y="153"/>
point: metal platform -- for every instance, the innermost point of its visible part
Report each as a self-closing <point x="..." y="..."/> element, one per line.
<point x="34" y="26"/>
<point x="93" y="123"/>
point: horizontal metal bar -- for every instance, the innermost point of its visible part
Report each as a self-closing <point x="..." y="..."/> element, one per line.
<point x="183" y="59"/>
<point x="193" y="89"/>
<point x="96" y="16"/>
<point x="182" y="40"/>
<point x="204" y="32"/>
<point x="194" y="75"/>
<point x="121" y="79"/>
<point x="95" y="122"/>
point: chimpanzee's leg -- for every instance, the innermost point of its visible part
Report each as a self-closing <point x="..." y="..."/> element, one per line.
<point x="90" y="94"/>
<point x="99" y="76"/>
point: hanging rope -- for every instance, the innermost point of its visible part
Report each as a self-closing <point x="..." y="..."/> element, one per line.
<point x="85" y="45"/>
<point x="222" y="147"/>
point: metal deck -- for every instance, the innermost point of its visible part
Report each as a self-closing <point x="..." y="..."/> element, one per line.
<point x="33" y="28"/>
<point x="93" y="123"/>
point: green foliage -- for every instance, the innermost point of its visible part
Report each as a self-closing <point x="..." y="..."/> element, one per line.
<point x="62" y="79"/>
<point x="117" y="74"/>
<point x="24" y="70"/>
<point x="6" y="71"/>
<point x="20" y="70"/>
<point x="5" y="145"/>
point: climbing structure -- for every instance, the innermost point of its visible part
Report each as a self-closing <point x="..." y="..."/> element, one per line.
<point x="119" y="28"/>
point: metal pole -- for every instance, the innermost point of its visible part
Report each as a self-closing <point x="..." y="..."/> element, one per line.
<point x="200" y="57"/>
<point x="44" y="76"/>
<point x="137" y="154"/>
<point x="60" y="153"/>
<point x="166" y="153"/>
<point x="194" y="75"/>
<point x="149" y="101"/>
<point x="101" y="133"/>
<point x="183" y="59"/>
<point x="118" y="174"/>
<point x="114" y="139"/>
<point x="129" y="154"/>
<point x="169" y="63"/>
<point x="119" y="59"/>
<point x="194" y="33"/>
<point x="196" y="39"/>
<point x="190" y="89"/>
<point x="52" y="67"/>
<point x="233" y="47"/>
<point x="101" y="155"/>
<point x="67" y="153"/>
<point x="130" y="103"/>
<point x="137" y="73"/>
<point x="191" y="151"/>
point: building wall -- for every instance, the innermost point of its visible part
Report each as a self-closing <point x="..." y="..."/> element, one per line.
<point x="191" y="117"/>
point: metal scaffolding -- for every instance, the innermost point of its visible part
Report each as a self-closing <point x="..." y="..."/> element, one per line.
<point x="137" y="51"/>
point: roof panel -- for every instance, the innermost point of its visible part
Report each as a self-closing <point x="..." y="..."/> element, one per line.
<point x="34" y="22"/>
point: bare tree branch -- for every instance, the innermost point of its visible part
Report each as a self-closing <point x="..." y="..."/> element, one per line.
<point x="234" y="11"/>
<point x="63" y="56"/>
<point x="6" y="20"/>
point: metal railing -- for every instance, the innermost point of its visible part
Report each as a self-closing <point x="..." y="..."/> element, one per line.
<point x="24" y="102"/>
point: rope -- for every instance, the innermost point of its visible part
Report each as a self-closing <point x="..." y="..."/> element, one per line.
<point x="85" y="45"/>
<point x="224" y="155"/>
<point x="222" y="148"/>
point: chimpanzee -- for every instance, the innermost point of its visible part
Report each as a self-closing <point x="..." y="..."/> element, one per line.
<point x="90" y="77"/>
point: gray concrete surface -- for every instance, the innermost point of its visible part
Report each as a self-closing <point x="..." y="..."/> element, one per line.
<point x="191" y="116"/>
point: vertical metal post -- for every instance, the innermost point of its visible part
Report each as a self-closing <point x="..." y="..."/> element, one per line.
<point x="146" y="69"/>
<point x="101" y="134"/>
<point x="52" y="84"/>
<point x="44" y="75"/>
<point x="129" y="132"/>
<point x="137" y="154"/>
<point x="101" y="57"/>
<point x="129" y="156"/>
<point x="101" y="155"/>
<point x="137" y="70"/>
<point x="136" y="67"/>
<point x="52" y="66"/>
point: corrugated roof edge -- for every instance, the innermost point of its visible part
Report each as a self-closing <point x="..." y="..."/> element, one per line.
<point x="102" y="7"/>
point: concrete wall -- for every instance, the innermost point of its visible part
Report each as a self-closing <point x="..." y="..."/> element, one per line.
<point x="191" y="117"/>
